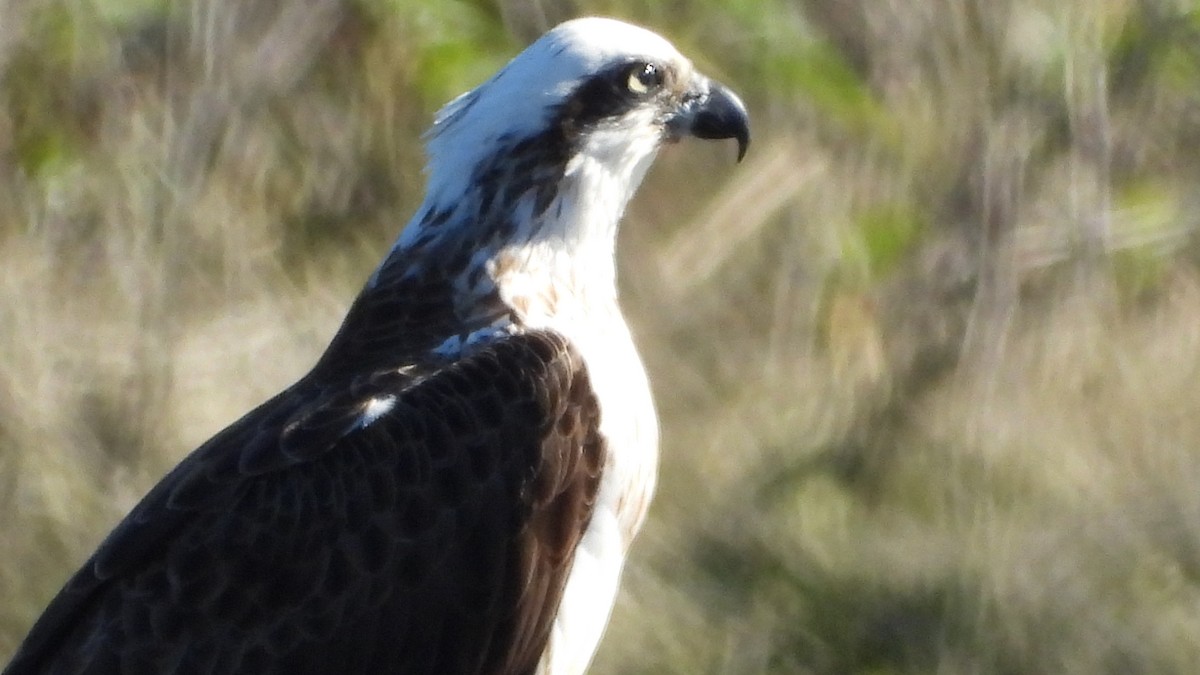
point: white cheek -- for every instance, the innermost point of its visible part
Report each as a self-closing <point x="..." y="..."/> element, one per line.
<point x="626" y="142"/>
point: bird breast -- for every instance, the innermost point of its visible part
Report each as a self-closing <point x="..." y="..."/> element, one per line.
<point x="586" y="312"/>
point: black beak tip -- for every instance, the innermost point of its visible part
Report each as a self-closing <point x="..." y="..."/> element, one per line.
<point x="723" y="115"/>
<point x="743" y="141"/>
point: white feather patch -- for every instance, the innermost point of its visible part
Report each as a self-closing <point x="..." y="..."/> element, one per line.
<point x="375" y="408"/>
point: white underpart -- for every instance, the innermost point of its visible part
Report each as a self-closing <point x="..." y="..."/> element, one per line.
<point x="629" y="424"/>
<point x="565" y="280"/>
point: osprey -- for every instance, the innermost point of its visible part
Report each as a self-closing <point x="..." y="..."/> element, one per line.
<point x="455" y="484"/>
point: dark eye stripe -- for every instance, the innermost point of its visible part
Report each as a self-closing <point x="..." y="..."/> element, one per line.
<point x="609" y="93"/>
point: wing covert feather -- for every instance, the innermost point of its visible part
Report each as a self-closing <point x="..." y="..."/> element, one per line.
<point x="433" y="535"/>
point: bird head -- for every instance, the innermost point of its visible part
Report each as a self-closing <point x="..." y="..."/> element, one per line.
<point x="554" y="145"/>
<point x="591" y="86"/>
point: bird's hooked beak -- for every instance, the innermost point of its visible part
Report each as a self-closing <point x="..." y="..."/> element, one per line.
<point x="710" y="110"/>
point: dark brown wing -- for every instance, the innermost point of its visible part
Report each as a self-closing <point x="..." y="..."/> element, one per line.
<point x="306" y="538"/>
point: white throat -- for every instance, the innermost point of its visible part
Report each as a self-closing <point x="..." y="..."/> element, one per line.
<point x="562" y="274"/>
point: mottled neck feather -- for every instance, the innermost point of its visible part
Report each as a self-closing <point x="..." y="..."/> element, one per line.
<point x="541" y="213"/>
<point x="530" y="241"/>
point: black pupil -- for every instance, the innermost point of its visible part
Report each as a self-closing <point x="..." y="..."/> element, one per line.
<point x="647" y="74"/>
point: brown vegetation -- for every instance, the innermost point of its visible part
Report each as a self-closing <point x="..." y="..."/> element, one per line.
<point x="925" y="362"/>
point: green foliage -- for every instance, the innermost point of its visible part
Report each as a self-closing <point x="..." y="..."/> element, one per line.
<point x="816" y="72"/>
<point x="1151" y="214"/>
<point x="880" y="238"/>
<point x="450" y="46"/>
<point x="128" y="13"/>
<point x="46" y="132"/>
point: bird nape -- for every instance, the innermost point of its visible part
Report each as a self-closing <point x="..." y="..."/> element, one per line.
<point x="454" y="486"/>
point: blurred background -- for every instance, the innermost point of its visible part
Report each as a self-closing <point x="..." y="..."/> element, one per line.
<point x="926" y="361"/>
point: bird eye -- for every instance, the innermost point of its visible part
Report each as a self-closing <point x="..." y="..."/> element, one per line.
<point x="644" y="78"/>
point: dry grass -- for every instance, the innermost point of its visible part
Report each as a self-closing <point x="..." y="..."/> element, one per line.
<point x="925" y="362"/>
